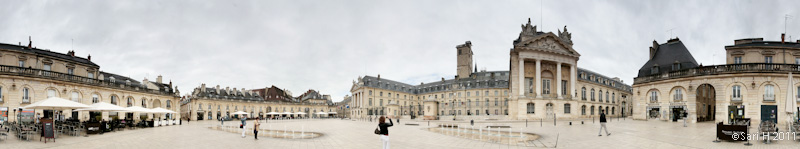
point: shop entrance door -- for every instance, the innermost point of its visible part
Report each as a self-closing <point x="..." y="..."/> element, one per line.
<point x="769" y="112"/>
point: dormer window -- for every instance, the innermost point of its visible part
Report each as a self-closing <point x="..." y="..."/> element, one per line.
<point x="113" y="80"/>
<point x="676" y="66"/>
<point x="654" y="70"/>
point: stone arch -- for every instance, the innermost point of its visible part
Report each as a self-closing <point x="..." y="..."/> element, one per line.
<point x="728" y="92"/>
<point x="57" y="93"/>
<point x="648" y="95"/>
<point x="156" y="103"/>
<point x="80" y="95"/>
<point x="143" y="103"/>
<point x="130" y="101"/>
<point x="705" y="102"/>
<point x="761" y="89"/>
<point x="99" y="96"/>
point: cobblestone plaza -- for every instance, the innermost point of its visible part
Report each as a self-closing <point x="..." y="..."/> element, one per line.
<point x="347" y="134"/>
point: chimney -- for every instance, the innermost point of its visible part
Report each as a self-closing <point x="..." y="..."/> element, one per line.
<point x="783" y="38"/>
<point x="89" y="57"/>
<point x="30" y="42"/>
<point x="653" y="49"/>
<point x="379" y="76"/>
<point x="203" y="88"/>
<point x="227" y="89"/>
<point x="217" y="89"/>
<point x="158" y="79"/>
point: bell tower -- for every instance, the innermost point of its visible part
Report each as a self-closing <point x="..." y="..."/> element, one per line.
<point x="464" y="60"/>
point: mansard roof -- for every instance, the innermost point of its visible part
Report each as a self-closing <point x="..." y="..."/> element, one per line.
<point x="486" y="79"/>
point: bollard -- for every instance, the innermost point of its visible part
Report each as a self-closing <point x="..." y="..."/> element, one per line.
<point x="526" y="122"/>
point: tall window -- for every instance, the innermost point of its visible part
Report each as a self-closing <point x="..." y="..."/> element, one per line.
<point x="370" y="101"/>
<point x="130" y="101"/>
<point x="737" y="60"/>
<point x="653" y="96"/>
<point x="583" y="93"/>
<point x="91" y="75"/>
<point x="592" y="95"/>
<point x="546" y="86"/>
<point x="591" y="110"/>
<point x="583" y="110"/>
<point x="381" y="102"/>
<point x="737" y="93"/>
<point x="495" y="102"/>
<point x="566" y="108"/>
<point x="654" y="70"/>
<point x="47" y="67"/>
<point x="563" y="87"/>
<point x="676" y="66"/>
<point x="797" y="60"/>
<point x="76" y="97"/>
<point x="601" y="96"/>
<point x="26" y="98"/>
<point x="21" y="63"/>
<point x="71" y="71"/>
<point x="767" y="59"/>
<point x="531" y="108"/>
<point x="95" y="98"/>
<point x="51" y="93"/>
<point x="114" y="100"/>
<point x="144" y="104"/>
<point x="769" y="92"/>
<point x="487" y="102"/>
<point x="529" y="85"/>
<point x="678" y="96"/>
<point x="606" y="96"/>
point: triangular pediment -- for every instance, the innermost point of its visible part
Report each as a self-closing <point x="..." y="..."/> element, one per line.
<point x="548" y="42"/>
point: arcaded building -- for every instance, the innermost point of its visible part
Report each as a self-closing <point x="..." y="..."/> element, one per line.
<point x="211" y="103"/>
<point x="29" y="74"/>
<point x="753" y="83"/>
<point x="543" y="82"/>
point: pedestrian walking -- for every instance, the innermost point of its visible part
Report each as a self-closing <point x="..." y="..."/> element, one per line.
<point x="384" y="131"/>
<point x="603" y="124"/>
<point x="244" y="125"/>
<point x="255" y="127"/>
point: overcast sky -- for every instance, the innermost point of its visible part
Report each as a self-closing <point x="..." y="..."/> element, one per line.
<point x="325" y="45"/>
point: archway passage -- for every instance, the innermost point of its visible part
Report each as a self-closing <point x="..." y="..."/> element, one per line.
<point x="706" y="102"/>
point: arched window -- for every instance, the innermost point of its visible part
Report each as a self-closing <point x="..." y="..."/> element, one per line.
<point x="583" y="110"/>
<point x="737" y="93"/>
<point x="653" y="96"/>
<point x="95" y="98"/>
<point x="76" y="97"/>
<point x="583" y="93"/>
<point x="130" y="101"/>
<point x="600" y="110"/>
<point x="592" y="95"/>
<point x="678" y="96"/>
<point x="26" y="98"/>
<point x="531" y="108"/>
<point x="613" y="97"/>
<point x="114" y="99"/>
<point x="567" y="108"/>
<point x="769" y="92"/>
<point x="600" y="94"/>
<point x="144" y="104"/>
<point x="487" y="102"/>
<point x="612" y="110"/>
<point x="607" y="97"/>
<point x="169" y="104"/>
<point x="51" y="93"/>
<point x="591" y="110"/>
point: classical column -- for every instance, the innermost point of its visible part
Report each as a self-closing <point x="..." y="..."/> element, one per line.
<point x="572" y="79"/>
<point x="521" y="74"/>
<point x="538" y="78"/>
<point x="558" y="80"/>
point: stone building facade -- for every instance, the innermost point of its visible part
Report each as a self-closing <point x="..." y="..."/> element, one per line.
<point x="530" y="89"/>
<point x="211" y="103"/>
<point x="29" y="74"/>
<point x="754" y="83"/>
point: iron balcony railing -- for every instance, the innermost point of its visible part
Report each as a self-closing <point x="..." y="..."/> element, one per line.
<point x="720" y="69"/>
<point x="769" y="97"/>
<point x="736" y="98"/>
<point x="38" y="73"/>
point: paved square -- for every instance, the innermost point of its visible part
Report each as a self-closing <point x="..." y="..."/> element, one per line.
<point x="347" y="134"/>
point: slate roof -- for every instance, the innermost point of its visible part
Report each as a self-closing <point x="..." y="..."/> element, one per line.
<point x="48" y="53"/>
<point x="603" y="80"/>
<point x="487" y="79"/>
<point x="222" y="94"/>
<point x="768" y="44"/>
<point x="666" y="55"/>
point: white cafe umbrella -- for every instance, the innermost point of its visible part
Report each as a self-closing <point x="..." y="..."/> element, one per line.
<point x="239" y="112"/>
<point x="55" y="103"/>
<point x="103" y="106"/>
<point x="162" y="110"/>
<point x="320" y="113"/>
<point x="138" y="109"/>
<point x="791" y="103"/>
<point x="331" y="112"/>
<point x="273" y="113"/>
<point x="300" y="113"/>
<point x="289" y="113"/>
